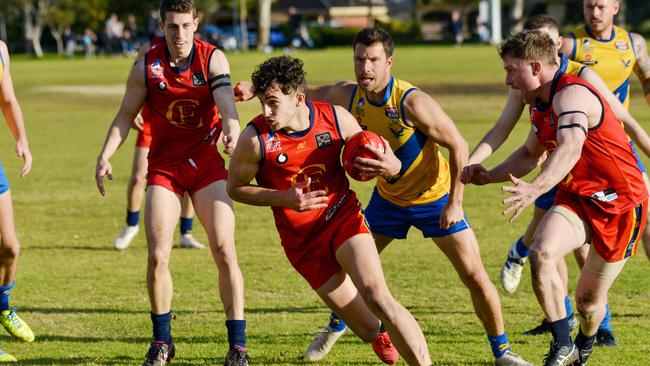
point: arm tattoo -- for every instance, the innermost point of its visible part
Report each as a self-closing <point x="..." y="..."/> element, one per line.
<point x="642" y="66"/>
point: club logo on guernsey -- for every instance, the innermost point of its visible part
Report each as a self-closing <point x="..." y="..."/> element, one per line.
<point x="198" y="79"/>
<point x="314" y="172"/>
<point x="626" y="63"/>
<point x="396" y="128"/>
<point x="358" y="109"/>
<point x="391" y="112"/>
<point x="272" y="143"/>
<point x="282" y="158"/>
<point x="156" y="71"/>
<point x="323" y="140"/>
<point x="622" y="46"/>
<point x="182" y="113"/>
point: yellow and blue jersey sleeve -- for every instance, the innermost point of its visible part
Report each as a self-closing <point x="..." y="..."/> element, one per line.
<point x="425" y="175"/>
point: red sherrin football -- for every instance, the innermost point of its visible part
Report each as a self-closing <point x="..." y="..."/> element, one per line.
<point x="354" y="148"/>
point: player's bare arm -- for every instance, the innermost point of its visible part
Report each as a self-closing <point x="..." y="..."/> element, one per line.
<point x="632" y="127"/>
<point x="244" y="165"/>
<point x="385" y="164"/>
<point x="13" y="114"/>
<point x="339" y="93"/>
<point x="495" y="137"/>
<point x="136" y="92"/>
<point x="422" y="111"/>
<point x="642" y="66"/>
<point x="577" y="110"/>
<point x="221" y="86"/>
<point x="521" y="162"/>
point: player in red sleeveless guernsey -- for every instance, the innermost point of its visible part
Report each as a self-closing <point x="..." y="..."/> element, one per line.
<point x="182" y="84"/>
<point x="601" y="196"/>
<point x="137" y="181"/>
<point x="293" y="150"/>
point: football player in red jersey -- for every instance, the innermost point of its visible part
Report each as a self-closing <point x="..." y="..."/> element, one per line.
<point x="293" y="150"/>
<point x="137" y="182"/>
<point x="182" y="84"/>
<point x="601" y="196"/>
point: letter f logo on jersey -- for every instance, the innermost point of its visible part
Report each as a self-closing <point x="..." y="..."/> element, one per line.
<point x="182" y="113"/>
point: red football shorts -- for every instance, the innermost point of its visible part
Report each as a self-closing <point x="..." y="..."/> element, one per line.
<point x="314" y="256"/>
<point x="613" y="236"/>
<point x="144" y="136"/>
<point x="188" y="175"/>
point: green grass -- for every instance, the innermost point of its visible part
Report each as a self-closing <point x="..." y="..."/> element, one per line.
<point x="88" y="305"/>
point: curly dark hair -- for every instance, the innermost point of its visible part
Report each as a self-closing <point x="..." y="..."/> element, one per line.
<point x="370" y="36"/>
<point x="284" y="71"/>
<point x="178" y="6"/>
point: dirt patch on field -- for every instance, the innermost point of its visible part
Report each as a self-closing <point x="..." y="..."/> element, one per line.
<point x="116" y="89"/>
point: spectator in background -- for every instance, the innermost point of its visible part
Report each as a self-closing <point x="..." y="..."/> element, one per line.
<point x="456" y="26"/>
<point x="69" y="43"/>
<point x="153" y="29"/>
<point x="482" y="30"/>
<point x="298" y="32"/>
<point x="88" y="40"/>
<point x="127" y="44"/>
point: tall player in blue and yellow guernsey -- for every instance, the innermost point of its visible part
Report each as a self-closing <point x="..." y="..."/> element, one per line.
<point x="518" y="253"/>
<point x="9" y="245"/>
<point x="613" y="53"/>
<point x="427" y="192"/>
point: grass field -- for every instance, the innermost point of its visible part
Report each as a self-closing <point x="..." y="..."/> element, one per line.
<point x="87" y="303"/>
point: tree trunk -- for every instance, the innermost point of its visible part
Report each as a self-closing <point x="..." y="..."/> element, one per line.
<point x="59" y="41"/>
<point x="33" y="27"/>
<point x="516" y="15"/>
<point x="264" y="26"/>
<point x="3" y="26"/>
<point x="243" y="24"/>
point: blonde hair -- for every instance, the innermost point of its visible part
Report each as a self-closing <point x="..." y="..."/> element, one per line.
<point x="530" y="46"/>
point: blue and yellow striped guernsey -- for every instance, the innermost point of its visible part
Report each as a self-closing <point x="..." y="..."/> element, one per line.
<point x="425" y="173"/>
<point x="612" y="59"/>
<point x="572" y="67"/>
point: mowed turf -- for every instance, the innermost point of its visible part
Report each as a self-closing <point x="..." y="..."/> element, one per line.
<point x="87" y="303"/>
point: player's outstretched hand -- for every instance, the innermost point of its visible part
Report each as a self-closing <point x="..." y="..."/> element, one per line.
<point x="523" y="194"/>
<point x="299" y="198"/>
<point x="102" y="169"/>
<point x="229" y="143"/>
<point x="385" y="164"/>
<point x="243" y="91"/>
<point x="138" y="122"/>
<point x="22" y="151"/>
<point x="475" y="174"/>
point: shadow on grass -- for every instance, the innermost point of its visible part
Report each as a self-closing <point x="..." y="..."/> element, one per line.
<point x="107" y="248"/>
<point x="72" y="310"/>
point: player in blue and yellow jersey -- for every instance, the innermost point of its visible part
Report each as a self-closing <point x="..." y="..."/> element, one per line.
<point x="9" y="245"/>
<point x="518" y="253"/>
<point x="426" y="193"/>
<point x="614" y="54"/>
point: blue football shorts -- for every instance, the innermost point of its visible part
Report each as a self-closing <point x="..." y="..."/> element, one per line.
<point x="4" y="183"/>
<point x="546" y="200"/>
<point x="388" y="219"/>
<point x="638" y="158"/>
